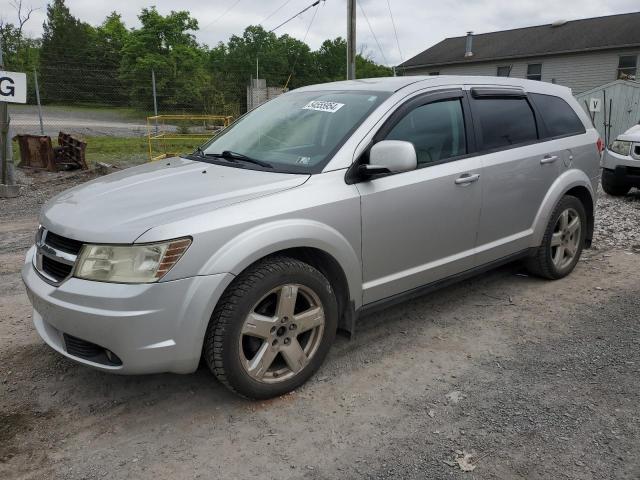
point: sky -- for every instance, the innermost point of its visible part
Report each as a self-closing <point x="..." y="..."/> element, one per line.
<point x="419" y="23"/>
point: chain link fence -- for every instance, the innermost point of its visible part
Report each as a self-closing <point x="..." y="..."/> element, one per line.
<point x="92" y="102"/>
<point x="111" y="111"/>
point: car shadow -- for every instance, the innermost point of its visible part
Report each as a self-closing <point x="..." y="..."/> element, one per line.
<point x="63" y="383"/>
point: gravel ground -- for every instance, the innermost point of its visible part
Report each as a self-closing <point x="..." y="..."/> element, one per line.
<point x="505" y="376"/>
<point x="618" y="221"/>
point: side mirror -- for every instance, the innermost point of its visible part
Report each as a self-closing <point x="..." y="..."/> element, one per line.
<point x="390" y="156"/>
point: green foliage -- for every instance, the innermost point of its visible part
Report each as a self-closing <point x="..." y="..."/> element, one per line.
<point x="111" y="64"/>
<point x="164" y="44"/>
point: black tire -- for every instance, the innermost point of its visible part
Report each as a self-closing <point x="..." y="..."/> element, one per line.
<point x="612" y="186"/>
<point x="222" y="350"/>
<point x="541" y="263"/>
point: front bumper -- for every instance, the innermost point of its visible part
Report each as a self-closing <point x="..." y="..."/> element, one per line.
<point x="151" y="328"/>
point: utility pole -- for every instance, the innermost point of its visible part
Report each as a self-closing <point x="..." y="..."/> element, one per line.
<point x="7" y="186"/>
<point x="155" y="99"/>
<point x="351" y="39"/>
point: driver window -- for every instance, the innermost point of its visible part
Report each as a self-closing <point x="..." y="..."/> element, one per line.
<point x="435" y="129"/>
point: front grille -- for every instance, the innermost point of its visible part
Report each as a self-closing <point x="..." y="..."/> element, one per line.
<point x="90" y="351"/>
<point x="55" y="255"/>
<point x="56" y="270"/>
<point x="633" y="171"/>
<point x="62" y="243"/>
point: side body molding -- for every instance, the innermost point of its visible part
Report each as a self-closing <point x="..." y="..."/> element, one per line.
<point x="262" y="240"/>
<point x="565" y="182"/>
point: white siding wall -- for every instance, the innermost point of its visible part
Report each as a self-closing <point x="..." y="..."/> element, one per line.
<point x="580" y="72"/>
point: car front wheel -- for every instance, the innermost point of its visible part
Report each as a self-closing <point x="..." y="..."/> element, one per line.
<point x="272" y="328"/>
<point x="613" y="186"/>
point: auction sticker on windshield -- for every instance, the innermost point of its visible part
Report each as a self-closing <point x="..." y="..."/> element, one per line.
<point x="323" y="106"/>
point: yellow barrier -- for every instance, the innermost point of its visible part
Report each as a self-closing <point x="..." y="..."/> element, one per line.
<point x="170" y="135"/>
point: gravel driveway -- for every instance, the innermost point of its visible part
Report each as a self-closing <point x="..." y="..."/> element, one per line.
<point x="504" y="376"/>
<point x="76" y="121"/>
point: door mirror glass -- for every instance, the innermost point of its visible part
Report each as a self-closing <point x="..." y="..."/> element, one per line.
<point x="392" y="156"/>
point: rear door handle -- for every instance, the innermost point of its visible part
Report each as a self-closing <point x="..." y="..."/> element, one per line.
<point x="548" y="159"/>
<point x="467" y="178"/>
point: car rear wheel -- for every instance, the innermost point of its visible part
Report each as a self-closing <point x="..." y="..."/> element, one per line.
<point x="272" y="328"/>
<point x="563" y="241"/>
<point x="612" y="186"/>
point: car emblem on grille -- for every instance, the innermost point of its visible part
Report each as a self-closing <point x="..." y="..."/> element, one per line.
<point x="40" y="239"/>
<point x="55" y="258"/>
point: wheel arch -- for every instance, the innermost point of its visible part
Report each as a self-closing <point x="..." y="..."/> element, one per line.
<point x="584" y="195"/>
<point x="315" y="243"/>
<point x="572" y="182"/>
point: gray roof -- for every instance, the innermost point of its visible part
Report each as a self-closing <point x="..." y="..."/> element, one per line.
<point x="598" y="33"/>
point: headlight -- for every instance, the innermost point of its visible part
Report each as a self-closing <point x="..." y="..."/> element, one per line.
<point x="129" y="263"/>
<point x="620" y="147"/>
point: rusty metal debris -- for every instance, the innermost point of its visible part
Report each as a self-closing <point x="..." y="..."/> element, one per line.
<point x="37" y="151"/>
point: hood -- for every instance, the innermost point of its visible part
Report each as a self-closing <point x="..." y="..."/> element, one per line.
<point x="631" y="135"/>
<point x="120" y="207"/>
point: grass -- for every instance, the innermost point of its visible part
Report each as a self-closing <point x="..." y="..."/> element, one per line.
<point x="125" y="151"/>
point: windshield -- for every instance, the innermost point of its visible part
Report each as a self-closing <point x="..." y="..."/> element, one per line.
<point x="297" y="132"/>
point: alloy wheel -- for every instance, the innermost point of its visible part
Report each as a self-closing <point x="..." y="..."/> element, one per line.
<point x="565" y="239"/>
<point x="282" y="333"/>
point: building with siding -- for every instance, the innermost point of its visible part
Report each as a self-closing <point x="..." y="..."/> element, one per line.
<point x="580" y="54"/>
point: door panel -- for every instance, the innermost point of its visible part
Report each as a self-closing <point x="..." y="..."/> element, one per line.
<point x="418" y="227"/>
<point x="516" y="175"/>
<point x="514" y="184"/>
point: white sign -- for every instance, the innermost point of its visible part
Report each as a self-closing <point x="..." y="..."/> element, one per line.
<point x="594" y="104"/>
<point x="322" y="106"/>
<point x="13" y="87"/>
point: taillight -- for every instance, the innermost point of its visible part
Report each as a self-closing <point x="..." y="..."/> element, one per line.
<point x="600" y="145"/>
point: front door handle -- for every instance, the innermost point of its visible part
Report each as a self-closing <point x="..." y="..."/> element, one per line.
<point x="467" y="178"/>
<point x="548" y="159"/>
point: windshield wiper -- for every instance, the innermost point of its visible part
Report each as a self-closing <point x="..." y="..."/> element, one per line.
<point x="234" y="156"/>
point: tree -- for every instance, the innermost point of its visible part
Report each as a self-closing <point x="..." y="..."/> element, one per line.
<point x="19" y="53"/>
<point x="68" y="48"/>
<point x="165" y="45"/>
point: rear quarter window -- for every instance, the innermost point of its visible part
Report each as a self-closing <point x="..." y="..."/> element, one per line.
<point x="559" y="118"/>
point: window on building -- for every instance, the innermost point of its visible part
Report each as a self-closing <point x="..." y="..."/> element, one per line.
<point x="504" y="122"/>
<point x="627" y="66"/>
<point x="534" y="71"/>
<point x="504" y="71"/>
<point x="434" y="73"/>
<point x="557" y="115"/>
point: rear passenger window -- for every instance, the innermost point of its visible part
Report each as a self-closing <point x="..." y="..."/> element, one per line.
<point x="504" y="122"/>
<point x="557" y="115"/>
<point x="435" y="129"/>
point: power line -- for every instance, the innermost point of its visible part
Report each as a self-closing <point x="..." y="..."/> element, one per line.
<point x="304" y="40"/>
<point x="372" y="32"/>
<point x="215" y="20"/>
<point x="317" y="2"/>
<point x="395" y="32"/>
<point x="274" y="12"/>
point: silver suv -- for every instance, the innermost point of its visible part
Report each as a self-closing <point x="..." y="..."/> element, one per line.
<point x="323" y="204"/>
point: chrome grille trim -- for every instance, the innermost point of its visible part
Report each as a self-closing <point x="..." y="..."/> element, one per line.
<point x="45" y="250"/>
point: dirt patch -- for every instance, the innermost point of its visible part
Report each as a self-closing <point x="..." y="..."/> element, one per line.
<point x="504" y="375"/>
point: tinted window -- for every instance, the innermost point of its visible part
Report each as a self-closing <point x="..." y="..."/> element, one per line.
<point x="558" y="116"/>
<point x="504" y="122"/>
<point x="436" y="131"/>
